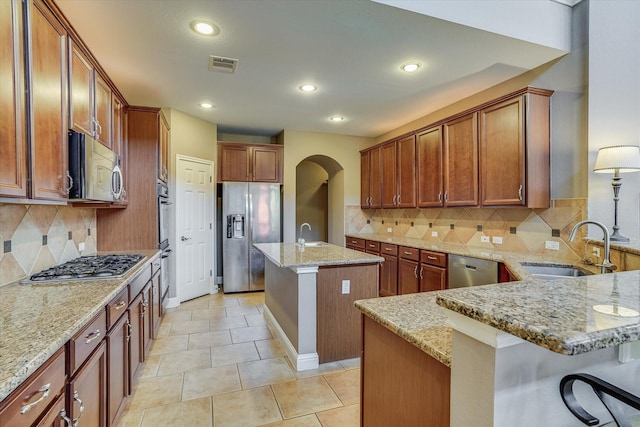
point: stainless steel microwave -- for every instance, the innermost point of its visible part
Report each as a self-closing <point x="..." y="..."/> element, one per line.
<point x="93" y="170"/>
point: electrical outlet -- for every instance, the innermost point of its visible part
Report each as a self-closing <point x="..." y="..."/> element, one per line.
<point x="346" y="287"/>
<point x="497" y="240"/>
<point x="595" y="251"/>
<point x="434" y="234"/>
<point x="81" y="246"/>
<point x="484" y="239"/>
<point x="549" y="244"/>
<point x="389" y="229"/>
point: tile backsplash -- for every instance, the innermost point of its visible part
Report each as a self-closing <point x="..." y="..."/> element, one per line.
<point x="36" y="237"/>
<point x="520" y="230"/>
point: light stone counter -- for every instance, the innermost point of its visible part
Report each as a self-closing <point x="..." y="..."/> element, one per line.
<point x="291" y="255"/>
<point x="37" y="319"/>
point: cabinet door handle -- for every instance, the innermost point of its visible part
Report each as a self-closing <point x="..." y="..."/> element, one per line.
<point x="415" y="271"/>
<point x="421" y="268"/>
<point x="129" y="330"/>
<point x="68" y="189"/>
<point x="63" y="416"/>
<point x="92" y="336"/>
<point x="45" y="393"/>
<point x="446" y="196"/>
<point x="440" y="197"/>
<point x="520" y="193"/>
<point x="77" y="399"/>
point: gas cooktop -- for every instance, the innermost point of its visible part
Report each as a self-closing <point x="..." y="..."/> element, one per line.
<point x="91" y="267"/>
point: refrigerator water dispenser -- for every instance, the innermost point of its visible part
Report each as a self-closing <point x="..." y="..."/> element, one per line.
<point x="235" y="226"/>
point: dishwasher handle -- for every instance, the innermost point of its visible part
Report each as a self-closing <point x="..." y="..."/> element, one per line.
<point x="470" y="267"/>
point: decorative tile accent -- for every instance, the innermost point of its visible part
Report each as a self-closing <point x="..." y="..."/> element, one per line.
<point x="37" y="237"/>
<point x="522" y="230"/>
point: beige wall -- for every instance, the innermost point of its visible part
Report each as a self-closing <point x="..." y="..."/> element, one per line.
<point x="312" y="199"/>
<point x="345" y="188"/>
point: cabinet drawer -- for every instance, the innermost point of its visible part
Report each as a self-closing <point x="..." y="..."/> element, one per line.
<point x="36" y="394"/>
<point x="372" y="246"/>
<point x="136" y="285"/>
<point x="356" y="242"/>
<point x="85" y="341"/>
<point x="155" y="266"/>
<point x="387" y="249"/>
<point x="433" y="258"/>
<point x="117" y="307"/>
<point x="409" y="253"/>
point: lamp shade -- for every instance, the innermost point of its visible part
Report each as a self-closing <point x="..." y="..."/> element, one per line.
<point x="624" y="158"/>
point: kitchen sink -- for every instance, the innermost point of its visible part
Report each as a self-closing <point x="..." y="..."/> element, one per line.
<point x="554" y="271"/>
<point x="315" y="244"/>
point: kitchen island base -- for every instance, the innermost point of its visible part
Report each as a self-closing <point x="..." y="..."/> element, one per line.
<point x="312" y="313"/>
<point x="400" y="384"/>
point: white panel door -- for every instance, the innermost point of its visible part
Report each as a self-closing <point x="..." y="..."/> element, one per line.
<point x="194" y="226"/>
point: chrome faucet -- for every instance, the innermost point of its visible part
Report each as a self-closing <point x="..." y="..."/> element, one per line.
<point x="300" y="239"/>
<point x="606" y="266"/>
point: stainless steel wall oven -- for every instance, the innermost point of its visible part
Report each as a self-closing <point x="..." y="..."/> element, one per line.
<point x="164" y="215"/>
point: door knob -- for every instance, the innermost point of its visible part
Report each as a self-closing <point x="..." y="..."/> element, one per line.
<point x="184" y="239"/>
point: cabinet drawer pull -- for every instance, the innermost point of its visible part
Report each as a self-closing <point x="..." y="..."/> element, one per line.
<point x="388" y="249"/>
<point x="432" y="257"/>
<point x="408" y="253"/>
<point x="45" y="393"/>
<point x="120" y="305"/>
<point x="92" y="336"/>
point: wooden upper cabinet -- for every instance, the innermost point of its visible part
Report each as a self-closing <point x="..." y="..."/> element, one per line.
<point x="406" y="172"/>
<point x="163" y="150"/>
<point x="250" y="162"/>
<point x="13" y="142"/>
<point x="429" y="168"/>
<point x="266" y="164"/>
<point x="514" y="155"/>
<point x="461" y="161"/>
<point x="370" y="179"/>
<point x="388" y="174"/>
<point x="81" y="90"/>
<point x="103" y="130"/>
<point x="48" y="145"/>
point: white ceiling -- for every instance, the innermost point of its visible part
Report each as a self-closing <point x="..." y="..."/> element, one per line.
<point x="351" y="49"/>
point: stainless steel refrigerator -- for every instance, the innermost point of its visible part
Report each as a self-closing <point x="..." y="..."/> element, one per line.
<point x="250" y="214"/>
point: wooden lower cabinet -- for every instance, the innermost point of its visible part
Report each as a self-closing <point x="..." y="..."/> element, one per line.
<point x="147" y="319"/>
<point x="136" y="339"/>
<point x="155" y="315"/>
<point x="87" y="391"/>
<point x="432" y="278"/>
<point x="400" y="384"/>
<point x="408" y="281"/>
<point x="389" y="276"/>
<point x="118" y="368"/>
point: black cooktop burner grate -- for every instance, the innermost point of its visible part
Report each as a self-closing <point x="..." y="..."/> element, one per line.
<point x="89" y="267"/>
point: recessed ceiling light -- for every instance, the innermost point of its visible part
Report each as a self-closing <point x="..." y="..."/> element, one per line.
<point x="206" y="105"/>
<point x="205" y="28"/>
<point x="336" y="118"/>
<point x="308" y="87"/>
<point x="410" y="67"/>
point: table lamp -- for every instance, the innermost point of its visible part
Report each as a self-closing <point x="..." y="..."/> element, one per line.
<point x="617" y="159"/>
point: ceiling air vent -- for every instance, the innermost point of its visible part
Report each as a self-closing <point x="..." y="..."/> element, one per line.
<point x="223" y="65"/>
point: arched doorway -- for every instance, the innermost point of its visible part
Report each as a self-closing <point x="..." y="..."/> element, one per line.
<point x="319" y="196"/>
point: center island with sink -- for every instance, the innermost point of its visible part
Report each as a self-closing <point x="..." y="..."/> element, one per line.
<point x="310" y="291"/>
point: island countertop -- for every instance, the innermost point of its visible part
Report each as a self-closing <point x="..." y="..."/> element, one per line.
<point x="291" y="255"/>
<point x="567" y="316"/>
<point x="37" y="319"/>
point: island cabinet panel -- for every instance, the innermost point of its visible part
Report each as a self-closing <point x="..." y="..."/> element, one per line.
<point x="339" y="326"/>
<point x="461" y="161"/>
<point x="13" y="141"/>
<point x="429" y="168"/>
<point x="400" y="384"/>
<point x="370" y="179"/>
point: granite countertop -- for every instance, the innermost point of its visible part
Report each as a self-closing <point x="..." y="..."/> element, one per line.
<point x="565" y="316"/>
<point x="557" y="315"/>
<point x="416" y="318"/>
<point x="37" y="319"/>
<point x="291" y="255"/>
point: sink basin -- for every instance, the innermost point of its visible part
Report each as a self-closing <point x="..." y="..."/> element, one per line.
<point x="315" y="244"/>
<point x="553" y="271"/>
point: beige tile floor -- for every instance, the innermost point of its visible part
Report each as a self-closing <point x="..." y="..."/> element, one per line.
<point x="216" y="363"/>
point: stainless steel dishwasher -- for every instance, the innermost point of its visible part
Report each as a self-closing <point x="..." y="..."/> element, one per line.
<point x="466" y="271"/>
